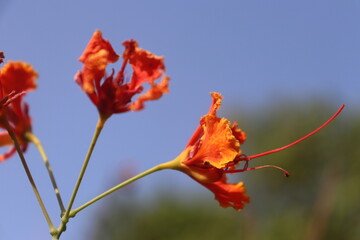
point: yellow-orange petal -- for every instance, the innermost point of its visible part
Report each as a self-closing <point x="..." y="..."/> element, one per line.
<point x="155" y="92"/>
<point x="94" y="70"/>
<point x="229" y="195"/>
<point x="95" y="45"/>
<point x="18" y="77"/>
<point x="97" y="54"/>
<point x="218" y="144"/>
<point x="216" y="102"/>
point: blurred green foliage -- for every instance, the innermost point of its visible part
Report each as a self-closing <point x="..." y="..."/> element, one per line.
<point x="320" y="200"/>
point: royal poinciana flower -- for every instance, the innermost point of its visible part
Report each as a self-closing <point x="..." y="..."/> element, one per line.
<point x="213" y="148"/>
<point x="16" y="78"/>
<point x="214" y="151"/>
<point x="113" y="93"/>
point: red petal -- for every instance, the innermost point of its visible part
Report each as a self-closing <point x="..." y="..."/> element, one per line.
<point x="96" y="56"/>
<point x="147" y="67"/>
<point x="95" y="45"/>
<point x="229" y="195"/>
<point x="18" y="77"/>
<point x="155" y="92"/>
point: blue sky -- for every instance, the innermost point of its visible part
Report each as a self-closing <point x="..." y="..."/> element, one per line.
<point x="256" y="53"/>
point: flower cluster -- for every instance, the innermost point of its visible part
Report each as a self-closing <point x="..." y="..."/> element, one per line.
<point x="213" y="151"/>
<point x="16" y="78"/>
<point x="113" y="93"/>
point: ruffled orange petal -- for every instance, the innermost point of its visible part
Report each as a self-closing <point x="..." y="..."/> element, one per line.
<point x="18" y="77"/>
<point x="95" y="45"/>
<point x="238" y="133"/>
<point x="155" y="92"/>
<point x="218" y="144"/>
<point x="147" y="67"/>
<point x="95" y="57"/>
<point x="229" y="195"/>
<point x="216" y="103"/>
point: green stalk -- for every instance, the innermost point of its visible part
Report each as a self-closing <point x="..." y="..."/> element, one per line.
<point x="28" y="173"/>
<point x="65" y="217"/>
<point x="32" y="138"/>
<point x="173" y="164"/>
<point x="117" y="187"/>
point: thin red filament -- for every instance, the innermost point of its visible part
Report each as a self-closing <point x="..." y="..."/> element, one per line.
<point x="299" y="140"/>
<point x="286" y="173"/>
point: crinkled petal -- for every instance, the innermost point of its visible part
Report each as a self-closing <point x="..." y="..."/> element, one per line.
<point x="94" y="70"/>
<point x="238" y="133"/>
<point x="216" y="103"/>
<point x="229" y="195"/>
<point x="155" y="92"/>
<point x="147" y="67"/>
<point x="96" y="56"/>
<point x="95" y="45"/>
<point x="18" y="77"/>
<point x="218" y="144"/>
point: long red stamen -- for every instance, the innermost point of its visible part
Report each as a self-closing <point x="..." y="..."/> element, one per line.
<point x="286" y="173"/>
<point x="299" y="140"/>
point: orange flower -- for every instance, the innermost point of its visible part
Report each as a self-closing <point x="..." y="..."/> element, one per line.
<point x="213" y="148"/>
<point x="214" y="151"/>
<point x="16" y="78"/>
<point x="113" y="93"/>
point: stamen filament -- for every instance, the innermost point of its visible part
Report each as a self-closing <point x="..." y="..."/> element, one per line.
<point x="299" y="140"/>
<point x="286" y="173"/>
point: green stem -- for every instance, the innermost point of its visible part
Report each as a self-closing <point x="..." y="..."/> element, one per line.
<point x="32" y="138"/>
<point x="28" y="173"/>
<point x="123" y="184"/>
<point x="65" y="217"/>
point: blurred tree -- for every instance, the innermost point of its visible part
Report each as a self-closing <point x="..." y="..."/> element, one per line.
<point x="319" y="201"/>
